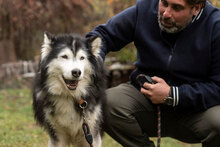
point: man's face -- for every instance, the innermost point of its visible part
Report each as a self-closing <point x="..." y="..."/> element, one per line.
<point x="175" y="15"/>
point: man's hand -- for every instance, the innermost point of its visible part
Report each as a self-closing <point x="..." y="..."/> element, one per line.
<point x="156" y="92"/>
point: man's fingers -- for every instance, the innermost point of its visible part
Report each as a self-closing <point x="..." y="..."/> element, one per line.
<point x="146" y="92"/>
<point x="157" y="79"/>
<point x="148" y="86"/>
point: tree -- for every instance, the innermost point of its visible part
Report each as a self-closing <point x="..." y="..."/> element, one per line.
<point x="21" y="22"/>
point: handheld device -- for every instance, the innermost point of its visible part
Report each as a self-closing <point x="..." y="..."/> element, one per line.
<point x="141" y="79"/>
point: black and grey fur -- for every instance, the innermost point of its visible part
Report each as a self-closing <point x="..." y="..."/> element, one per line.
<point x="70" y="68"/>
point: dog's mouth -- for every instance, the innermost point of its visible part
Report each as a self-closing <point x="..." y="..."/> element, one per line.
<point x="71" y="84"/>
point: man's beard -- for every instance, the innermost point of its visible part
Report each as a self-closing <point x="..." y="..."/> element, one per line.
<point x="174" y="28"/>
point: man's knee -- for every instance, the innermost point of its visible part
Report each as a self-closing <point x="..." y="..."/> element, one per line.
<point x="211" y="127"/>
<point x="118" y="103"/>
<point x="213" y="119"/>
<point x="113" y="101"/>
<point x="122" y="102"/>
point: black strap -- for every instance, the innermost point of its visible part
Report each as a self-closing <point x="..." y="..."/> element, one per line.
<point x="87" y="133"/>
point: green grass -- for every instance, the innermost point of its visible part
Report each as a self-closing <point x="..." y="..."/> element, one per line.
<point x="18" y="128"/>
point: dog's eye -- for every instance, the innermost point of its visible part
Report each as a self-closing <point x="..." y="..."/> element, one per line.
<point x="82" y="58"/>
<point x="64" y="57"/>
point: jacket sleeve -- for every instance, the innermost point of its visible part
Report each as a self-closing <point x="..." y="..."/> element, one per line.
<point x="203" y="95"/>
<point x="117" y="32"/>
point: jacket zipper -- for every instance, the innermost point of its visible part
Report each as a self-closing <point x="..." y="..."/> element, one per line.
<point x="170" y="55"/>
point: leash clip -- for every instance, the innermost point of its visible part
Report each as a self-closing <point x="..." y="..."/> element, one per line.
<point x="83" y="104"/>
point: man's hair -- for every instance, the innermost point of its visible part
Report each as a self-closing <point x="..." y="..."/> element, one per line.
<point x="194" y="2"/>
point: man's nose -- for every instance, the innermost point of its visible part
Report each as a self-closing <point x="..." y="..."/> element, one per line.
<point x="167" y="13"/>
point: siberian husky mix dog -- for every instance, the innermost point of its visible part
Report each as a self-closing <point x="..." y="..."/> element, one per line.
<point x="69" y="90"/>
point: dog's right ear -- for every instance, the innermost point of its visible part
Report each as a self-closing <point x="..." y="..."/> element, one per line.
<point x="46" y="47"/>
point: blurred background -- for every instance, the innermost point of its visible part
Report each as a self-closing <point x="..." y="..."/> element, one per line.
<point x="22" y="24"/>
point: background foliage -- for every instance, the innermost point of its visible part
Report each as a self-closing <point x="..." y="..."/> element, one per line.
<point x="22" y="22"/>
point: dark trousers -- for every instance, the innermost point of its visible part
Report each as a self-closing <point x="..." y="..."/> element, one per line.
<point x="130" y="119"/>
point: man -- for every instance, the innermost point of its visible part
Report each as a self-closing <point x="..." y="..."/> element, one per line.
<point x="178" y="45"/>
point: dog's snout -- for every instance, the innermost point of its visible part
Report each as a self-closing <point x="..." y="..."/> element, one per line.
<point x="76" y="73"/>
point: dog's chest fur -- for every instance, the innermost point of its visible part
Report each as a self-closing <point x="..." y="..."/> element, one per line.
<point x="63" y="114"/>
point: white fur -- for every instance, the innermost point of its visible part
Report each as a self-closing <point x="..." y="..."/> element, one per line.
<point x="66" y="121"/>
<point x="67" y="117"/>
<point x="45" y="47"/>
<point x="63" y="67"/>
<point x="96" y="46"/>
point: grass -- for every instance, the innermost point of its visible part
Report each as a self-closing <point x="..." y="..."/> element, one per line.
<point x="18" y="128"/>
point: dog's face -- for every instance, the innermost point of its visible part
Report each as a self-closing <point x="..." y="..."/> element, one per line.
<point x="69" y="62"/>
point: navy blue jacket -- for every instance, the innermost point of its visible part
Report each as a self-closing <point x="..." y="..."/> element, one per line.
<point x="190" y="63"/>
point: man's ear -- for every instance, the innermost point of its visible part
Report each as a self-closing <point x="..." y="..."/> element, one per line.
<point x="96" y="43"/>
<point x="46" y="47"/>
<point x="197" y="8"/>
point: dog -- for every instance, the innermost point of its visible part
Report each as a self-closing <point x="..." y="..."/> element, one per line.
<point x="69" y="90"/>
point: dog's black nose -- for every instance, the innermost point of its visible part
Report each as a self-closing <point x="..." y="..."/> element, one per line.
<point x="76" y="73"/>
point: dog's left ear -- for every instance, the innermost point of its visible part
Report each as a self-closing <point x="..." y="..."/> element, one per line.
<point x="96" y="43"/>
